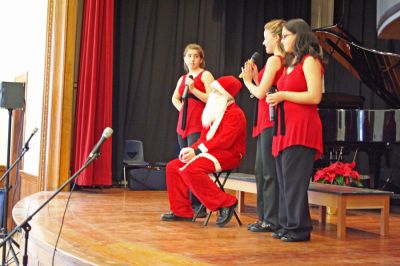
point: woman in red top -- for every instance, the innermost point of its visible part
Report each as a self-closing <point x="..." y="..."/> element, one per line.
<point x="297" y="138"/>
<point x="265" y="171"/>
<point x="189" y="98"/>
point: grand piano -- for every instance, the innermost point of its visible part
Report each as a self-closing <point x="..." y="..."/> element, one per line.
<point x="346" y="125"/>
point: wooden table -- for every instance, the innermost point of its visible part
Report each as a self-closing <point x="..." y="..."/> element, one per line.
<point x="344" y="198"/>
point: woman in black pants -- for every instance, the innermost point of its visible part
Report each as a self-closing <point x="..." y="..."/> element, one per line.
<point x="297" y="138"/>
<point x="265" y="171"/>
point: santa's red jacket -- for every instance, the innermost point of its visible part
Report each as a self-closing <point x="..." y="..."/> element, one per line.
<point x="222" y="151"/>
<point x="228" y="145"/>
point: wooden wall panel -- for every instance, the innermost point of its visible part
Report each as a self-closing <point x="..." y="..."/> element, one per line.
<point x="29" y="184"/>
<point x="57" y="119"/>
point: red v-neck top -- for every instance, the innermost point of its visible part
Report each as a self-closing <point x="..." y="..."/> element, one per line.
<point x="302" y="121"/>
<point x="195" y="108"/>
<point x="263" y="120"/>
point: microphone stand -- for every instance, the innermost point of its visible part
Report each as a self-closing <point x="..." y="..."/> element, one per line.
<point x="24" y="150"/>
<point x="25" y="225"/>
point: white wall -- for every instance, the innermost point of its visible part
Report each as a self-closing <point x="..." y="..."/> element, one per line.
<point x="22" y="49"/>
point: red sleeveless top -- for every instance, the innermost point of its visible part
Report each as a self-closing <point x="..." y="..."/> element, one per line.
<point x="195" y="108"/>
<point x="263" y="120"/>
<point x="302" y="122"/>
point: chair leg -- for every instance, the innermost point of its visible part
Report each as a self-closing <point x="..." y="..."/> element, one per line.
<point x="237" y="218"/>
<point x="221" y="186"/>
<point x="197" y="213"/>
<point x="125" y="183"/>
<point x="208" y="218"/>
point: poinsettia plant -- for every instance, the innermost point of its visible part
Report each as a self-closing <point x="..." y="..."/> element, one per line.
<point x="339" y="173"/>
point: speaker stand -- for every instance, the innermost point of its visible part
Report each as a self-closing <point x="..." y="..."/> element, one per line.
<point x="5" y="203"/>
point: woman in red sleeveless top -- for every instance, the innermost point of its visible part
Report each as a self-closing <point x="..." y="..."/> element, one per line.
<point x="297" y="138"/>
<point x="265" y="171"/>
<point x="189" y="98"/>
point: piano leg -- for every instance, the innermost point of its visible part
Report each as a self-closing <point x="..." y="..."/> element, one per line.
<point x="374" y="159"/>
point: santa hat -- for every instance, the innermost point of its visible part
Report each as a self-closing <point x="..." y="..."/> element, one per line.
<point x="229" y="86"/>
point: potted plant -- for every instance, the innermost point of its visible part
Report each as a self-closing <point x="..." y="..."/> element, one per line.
<point x="339" y="173"/>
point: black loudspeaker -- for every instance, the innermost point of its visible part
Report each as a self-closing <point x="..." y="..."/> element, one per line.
<point x="12" y="95"/>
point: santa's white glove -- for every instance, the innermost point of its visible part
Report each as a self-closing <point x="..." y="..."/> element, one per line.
<point x="186" y="154"/>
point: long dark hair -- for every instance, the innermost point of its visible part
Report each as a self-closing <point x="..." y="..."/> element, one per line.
<point x="306" y="42"/>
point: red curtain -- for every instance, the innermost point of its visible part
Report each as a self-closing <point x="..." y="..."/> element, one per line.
<point x="94" y="97"/>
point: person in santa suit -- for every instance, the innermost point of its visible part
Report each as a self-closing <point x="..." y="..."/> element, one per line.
<point x="297" y="140"/>
<point x="221" y="146"/>
<point x="265" y="170"/>
<point x="189" y="98"/>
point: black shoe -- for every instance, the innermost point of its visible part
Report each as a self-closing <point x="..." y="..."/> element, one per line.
<point x="291" y="238"/>
<point x="258" y="222"/>
<point x="261" y="227"/>
<point x="225" y="215"/>
<point x="168" y="217"/>
<point x="279" y="233"/>
<point x="202" y="213"/>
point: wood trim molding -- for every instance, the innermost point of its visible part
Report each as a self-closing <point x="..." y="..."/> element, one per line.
<point x="57" y="117"/>
<point x="2" y="171"/>
<point x="45" y="97"/>
<point x="29" y="184"/>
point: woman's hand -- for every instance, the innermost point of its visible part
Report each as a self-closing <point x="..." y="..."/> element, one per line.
<point x="247" y="72"/>
<point x="189" y="83"/>
<point x="275" y="98"/>
<point x="250" y="71"/>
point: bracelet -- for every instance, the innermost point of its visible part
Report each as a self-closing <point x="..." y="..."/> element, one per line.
<point x="197" y="151"/>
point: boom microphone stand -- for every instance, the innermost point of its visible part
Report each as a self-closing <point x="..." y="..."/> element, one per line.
<point x="7" y="189"/>
<point x="94" y="154"/>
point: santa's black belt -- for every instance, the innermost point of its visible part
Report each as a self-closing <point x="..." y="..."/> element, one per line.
<point x="280" y="109"/>
<point x="185" y="108"/>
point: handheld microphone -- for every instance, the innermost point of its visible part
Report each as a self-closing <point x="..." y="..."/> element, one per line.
<point x="185" y="93"/>
<point x="26" y="146"/>
<point x="255" y="59"/>
<point x="106" y="134"/>
<point x="271" y="108"/>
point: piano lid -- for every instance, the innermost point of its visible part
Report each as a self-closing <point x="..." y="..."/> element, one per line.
<point x="380" y="71"/>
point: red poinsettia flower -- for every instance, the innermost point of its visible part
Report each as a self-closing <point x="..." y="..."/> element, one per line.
<point x="338" y="173"/>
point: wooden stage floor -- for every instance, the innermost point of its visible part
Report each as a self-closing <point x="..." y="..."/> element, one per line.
<point x="122" y="227"/>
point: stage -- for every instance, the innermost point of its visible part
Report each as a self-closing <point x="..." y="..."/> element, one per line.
<point x="122" y="227"/>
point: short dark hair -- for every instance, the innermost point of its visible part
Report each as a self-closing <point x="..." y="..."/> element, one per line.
<point x="306" y="41"/>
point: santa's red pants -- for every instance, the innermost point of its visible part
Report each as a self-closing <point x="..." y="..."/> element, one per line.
<point x="194" y="177"/>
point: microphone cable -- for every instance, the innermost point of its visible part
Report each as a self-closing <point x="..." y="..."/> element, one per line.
<point x="106" y="134"/>
<point x="62" y="223"/>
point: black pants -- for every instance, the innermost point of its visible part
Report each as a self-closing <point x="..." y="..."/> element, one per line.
<point x="294" y="167"/>
<point x="187" y="142"/>
<point x="266" y="180"/>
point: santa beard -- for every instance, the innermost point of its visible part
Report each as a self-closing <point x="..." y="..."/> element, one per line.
<point x="215" y="108"/>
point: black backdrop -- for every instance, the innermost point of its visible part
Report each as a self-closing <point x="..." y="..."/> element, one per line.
<point x="150" y="36"/>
